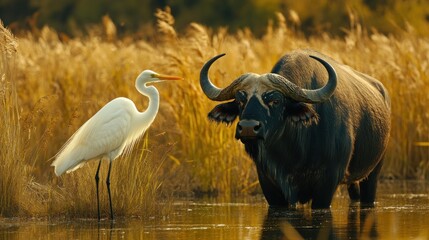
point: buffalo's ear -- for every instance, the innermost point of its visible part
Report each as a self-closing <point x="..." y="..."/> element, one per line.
<point x="302" y="113"/>
<point x="225" y="112"/>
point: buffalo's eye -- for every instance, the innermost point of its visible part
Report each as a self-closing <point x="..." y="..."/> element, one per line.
<point x="273" y="103"/>
<point x="272" y="99"/>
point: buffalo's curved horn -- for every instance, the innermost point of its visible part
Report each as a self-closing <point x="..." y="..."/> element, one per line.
<point x="213" y="92"/>
<point x="305" y="95"/>
<point x="324" y="93"/>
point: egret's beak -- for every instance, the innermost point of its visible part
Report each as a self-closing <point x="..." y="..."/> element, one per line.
<point x="167" y="77"/>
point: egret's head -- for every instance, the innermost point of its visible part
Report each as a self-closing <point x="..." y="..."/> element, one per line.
<point x="148" y="76"/>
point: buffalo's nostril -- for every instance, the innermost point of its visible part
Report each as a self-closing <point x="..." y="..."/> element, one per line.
<point x="256" y="128"/>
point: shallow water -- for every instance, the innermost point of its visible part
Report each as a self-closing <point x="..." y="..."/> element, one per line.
<point x="401" y="212"/>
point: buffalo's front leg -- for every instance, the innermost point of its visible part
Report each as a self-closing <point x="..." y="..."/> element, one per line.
<point x="273" y="194"/>
<point x="324" y="190"/>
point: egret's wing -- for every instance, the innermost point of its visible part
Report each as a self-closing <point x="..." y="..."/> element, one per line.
<point x="102" y="135"/>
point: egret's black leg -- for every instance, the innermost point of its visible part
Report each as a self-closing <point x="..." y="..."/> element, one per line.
<point x="96" y="184"/>
<point x="108" y="190"/>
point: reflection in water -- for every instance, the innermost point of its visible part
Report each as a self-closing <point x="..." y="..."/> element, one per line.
<point x="362" y="223"/>
<point x="100" y="228"/>
<point x="297" y="224"/>
<point x="401" y="212"/>
<point x="318" y="224"/>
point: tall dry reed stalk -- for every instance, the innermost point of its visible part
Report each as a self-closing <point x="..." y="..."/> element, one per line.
<point x="13" y="172"/>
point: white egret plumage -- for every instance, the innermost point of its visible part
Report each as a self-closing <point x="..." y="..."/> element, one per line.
<point x="113" y="129"/>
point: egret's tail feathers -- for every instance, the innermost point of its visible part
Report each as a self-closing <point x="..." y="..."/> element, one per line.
<point x="67" y="163"/>
<point x="60" y="169"/>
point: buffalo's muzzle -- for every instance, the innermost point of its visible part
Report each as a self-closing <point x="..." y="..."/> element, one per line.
<point x="249" y="129"/>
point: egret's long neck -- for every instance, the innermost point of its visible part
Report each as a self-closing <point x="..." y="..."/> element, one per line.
<point x="152" y="93"/>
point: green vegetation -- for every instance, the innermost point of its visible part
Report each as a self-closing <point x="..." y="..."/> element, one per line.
<point x="50" y="85"/>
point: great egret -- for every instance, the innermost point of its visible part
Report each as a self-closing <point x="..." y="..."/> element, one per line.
<point x="113" y="129"/>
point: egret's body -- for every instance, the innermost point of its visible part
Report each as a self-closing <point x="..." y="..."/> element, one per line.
<point x="113" y="129"/>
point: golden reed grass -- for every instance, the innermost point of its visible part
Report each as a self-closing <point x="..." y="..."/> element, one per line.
<point x="50" y="86"/>
<point x="13" y="171"/>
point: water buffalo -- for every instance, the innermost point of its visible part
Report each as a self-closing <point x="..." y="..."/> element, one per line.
<point x="309" y="125"/>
